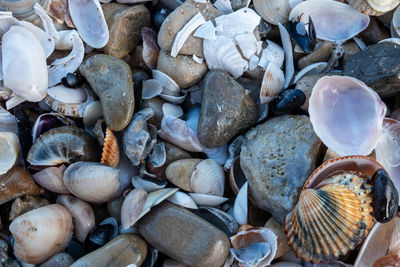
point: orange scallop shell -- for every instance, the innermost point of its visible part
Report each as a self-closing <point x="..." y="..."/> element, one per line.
<point x="110" y="155"/>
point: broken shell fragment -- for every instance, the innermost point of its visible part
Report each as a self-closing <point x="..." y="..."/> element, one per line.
<point x="110" y="155"/>
<point x="132" y="207"/>
<point x="148" y="184"/>
<point x="182" y="199"/>
<point x="150" y="47"/>
<point x="272" y="84"/>
<point x="207" y="200"/>
<point x="240" y="209"/>
<point x="9" y="150"/>
<point x="23" y="10"/>
<point x="208" y="178"/>
<point x="374" y="7"/>
<point x="49" y="121"/>
<point x="180" y="172"/>
<point x="273" y="11"/>
<point x="41" y="233"/>
<point x="51" y="178"/>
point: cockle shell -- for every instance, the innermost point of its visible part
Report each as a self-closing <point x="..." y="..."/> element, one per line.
<point x="41" y="233"/>
<point x="110" y="155"/>
<point x="180" y="172"/>
<point x="9" y="150"/>
<point x="333" y="114"/>
<point x="333" y="21"/>
<point x="208" y="178"/>
<point x="82" y="215"/>
<point x="132" y="207"/>
<point x="92" y="182"/>
<point x="272" y="84"/>
<point x="51" y="179"/>
<point x="331" y="218"/>
<point x="374" y="7"/>
<point x="28" y="61"/>
<point x="273" y="11"/>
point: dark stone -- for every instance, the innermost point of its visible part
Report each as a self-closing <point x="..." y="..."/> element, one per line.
<point x="287" y="101"/>
<point x="374" y="33"/>
<point x="385" y="197"/>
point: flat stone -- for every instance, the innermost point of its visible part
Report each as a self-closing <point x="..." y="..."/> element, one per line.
<point x="111" y="79"/>
<point x="123" y="250"/>
<point x="226" y="109"/>
<point x="378" y="66"/>
<point x="124" y="25"/>
<point x="177" y="19"/>
<point x="184" y="236"/>
<point x="277" y="157"/>
<point x="182" y="69"/>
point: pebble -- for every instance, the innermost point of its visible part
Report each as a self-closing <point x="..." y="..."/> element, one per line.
<point x="320" y="54"/>
<point x="184" y="237"/>
<point x="124" y="25"/>
<point x="231" y="107"/>
<point x="25" y="204"/>
<point x="378" y="66"/>
<point x="277" y="157"/>
<point x="172" y="263"/>
<point x="306" y="84"/>
<point x="179" y="172"/>
<point x="182" y="69"/>
<point x="283" y="245"/>
<point x="123" y="250"/>
<point x="374" y="32"/>
<point x="385" y="197"/>
<point x="155" y="104"/>
<point x="287" y="101"/>
<point x="111" y="79"/>
<point x="349" y="48"/>
<point x="59" y="260"/>
<point x="3" y="251"/>
<point x="174" y="153"/>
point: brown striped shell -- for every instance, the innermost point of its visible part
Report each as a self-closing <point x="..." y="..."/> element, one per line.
<point x="110" y="155"/>
<point x="332" y="218"/>
<point x="374" y="7"/>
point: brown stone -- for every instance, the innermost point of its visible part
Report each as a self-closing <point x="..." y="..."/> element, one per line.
<point x="374" y="33"/>
<point x="320" y="54"/>
<point x="180" y="172"/>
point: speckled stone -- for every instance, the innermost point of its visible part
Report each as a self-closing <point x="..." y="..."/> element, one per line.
<point x="124" y="25"/>
<point x="226" y="109"/>
<point x="123" y="250"/>
<point x="25" y="204"/>
<point x="277" y="157"/>
<point x="184" y="236"/>
<point x="111" y="79"/>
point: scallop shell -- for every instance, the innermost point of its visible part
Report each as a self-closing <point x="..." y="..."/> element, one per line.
<point x="51" y="179"/>
<point x="208" y="178"/>
<point x="110" y="155"/>
<point x="374" y="7"/>
<point x="273" y="11"/>
<point x="40" y="233"/>
<point x="332" y="218"/>
<point x="9" y="150"/>
<point x="272" y="84"/>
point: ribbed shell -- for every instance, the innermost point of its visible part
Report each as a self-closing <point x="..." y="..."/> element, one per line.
<point x="331" y="219"/>
<point x="273" y="11"/>
<point x="374" y="7"/>
<point x="110" y="155"/>
<point x="272" y="84"/>
<point x="208" y="178"/>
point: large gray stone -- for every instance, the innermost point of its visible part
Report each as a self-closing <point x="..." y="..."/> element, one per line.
<point x="277" y="157"/>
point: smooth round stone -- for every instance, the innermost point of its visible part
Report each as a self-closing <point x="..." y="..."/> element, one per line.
<point x="111" y="79"/>
<point x="123" y="250"/>
<point x="277" y="157"/>
<point x="182" y="69"/>
<point x="287" y="101"/>
<point x="172" y="263"/>
<point x="385" y="198"/>
<point x="183" y="236"/>
<point x="226" y="109"/>
<point x="124" y="24"/>
<point x="58" y="260"/>
<point x="320" y="54"/>
<point x="155" y="104"/>
<point x="179" y="172"/>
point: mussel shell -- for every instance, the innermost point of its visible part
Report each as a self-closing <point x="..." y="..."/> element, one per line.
<point x="287" y="101"/>
<point x="24" y="132"/>
<point x="219" y="219"/>
<point x="72" y="80"/>
<point x="385" y="197"/>
<point x="99" y="236"/>
<point x="48" y="121"/>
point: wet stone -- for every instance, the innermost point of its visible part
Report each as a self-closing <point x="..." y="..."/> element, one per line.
<point x="184" y="237"/>
<point x="374" y="32"/>
<point x="231" y="107"/>
<point x="277" y="157"/>
<point x="124" y="25"/>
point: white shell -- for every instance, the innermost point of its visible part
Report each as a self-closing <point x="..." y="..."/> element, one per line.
<point x="208" y="178"/>
<point x="40" y="233"/>
<point x="51" y="179"/>
<point x="92" y="113"/>
<point x="171" y="109"/>
<point x="146" y="185"/>
<point x="89" y="20"/>
<point x="333" y="21"/>
<point x="224" y="6"/>
<point x="240" y="209"/>
<point x="207" y="200"/>
<point x="395" y="25"/>
<point x="8" y="122"/>
<point x="9" y="149"/>
<point x="272" y="83"/>
<point x="287" y="47"/>
<point x="182" y="199"/>
<point x="132" y="207"/>
<point x="82" y="215"/>
<point x="24" y="64"/>
<point x="151" y="88"/>
<point x="346" y="115"/>
<point x="244" y="20"/>
<point x="169" y="86"/>
<point x="219" y="154"/>
<point x="273" y="11"/>
<point x="206" y="31"/>
<point x="273" y="53"/>
<point x="156" y="197"/>
<point x="393" y="40"/>
<point x="248" y="44"/>
<point x="174" y="99"/>
<point x="315" y="68"/>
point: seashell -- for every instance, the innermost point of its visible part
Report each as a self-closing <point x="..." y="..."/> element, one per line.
<point x="174" y="99"/>
<point x="156" y="197"/>
<point x="110" y="155"/>
<point x="248" y="44"/>
<point x="272" y="84"/>
<point x="139" y="137"/>
<point x="150" y="48"/>
<point x="16" y="183"/>
<point x="101" y="234"/>
<point x="64" y="144"/>
<point x="28" y="61"/>
<point x="395" y="24"/>
<point x="344" y="202"/>
<point x="331" y="107"/>
<point x="60" y="260"/>
<point x="89" y="20"/>
<point x="24" y="204"/>
<point x="148" y="184"/>
<point x="240" y="209"/>
<point x="177" y="132"/>
<point x="208" y="178"/>
<point x="151" y="88"/>
<point x="254" y="246"/>
<point x="174" y="153"/>
<point x="389" y="260"/>
<point x="374" y="7"/>
<point x="157" y="161"/>
<point x="172" y="110"/>
<point x="182" y="199"/>
<point x="234" y="151"/>
<point x="127" y="171"/>
<point x="51" y="178"/>
<point x="273" y="53"/>
<point x="132" y="207"/>
<point x="82" y="215"/>
<point x="72" y="80"/>
<point x="333" y="21"/>
<point x="287" y="47"/>
<point x="59" y="11"/>
<point x="23" y="10"/>
<point x="92" y="113"/>
<point x="236" y="176"/>
<point x="220" y="219"/>
<point x="49" y="121"/>
<point x="8" y="121"/>
<point x="169" y="86"/>
<point x="282" y="241"/>
<point x="287" y="101"/>
<point x="41" y="233"/>
<point x="69" y="102"/>
<point x="207" y="200"/>
<point x="92" y="182"/>
<point x="224" y="6"/>
<point x="273" y="11"/>
<point x="385" y="197"/>
<point x="9" y="148"/>
<point x="219" y="154"/>
<point x="315" y="68"/>
<point x="179" y="172"/>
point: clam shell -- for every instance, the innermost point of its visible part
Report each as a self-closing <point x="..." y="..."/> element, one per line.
<point x="180" y="172"/>
<point x="332" y="218"/>
<point x="208" y="178"/>
<point x="273" y="11"/>
<point x="47" y="121"/>
<point x="207" y="200"/>
<point x="236" y="176"/>
<point x="169" y="86"/>
<point x="395" y="25"/>
<point x="51" y="179"/>
<point x="273" y="53"/>
<point x="287" y="46"/>
<point x="92" y="182"/>
<point x="374" y="7"/>
<point x="240" y="209"/>
<point x="272" y="84"/>
<point x="182" y="199"/>
<point x="9" y="150"/>
<point x="315" y="68"/>
<point x="132" y="207"/>
<point x="220" y="219"/>
<point x="148" y="184"/>
<point x="41" y="233"/>
<point x="110" y="155"/>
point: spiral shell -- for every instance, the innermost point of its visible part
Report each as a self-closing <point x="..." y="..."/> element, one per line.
<point x="110" y="155"/>
<point x="332" y="218"/>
